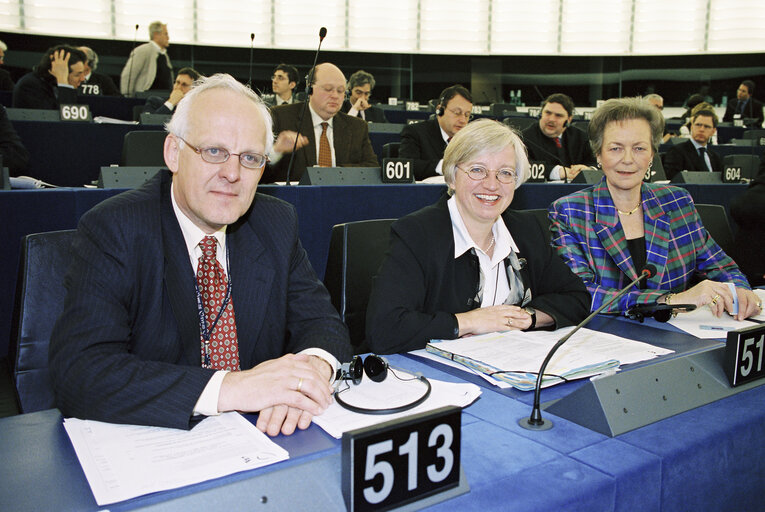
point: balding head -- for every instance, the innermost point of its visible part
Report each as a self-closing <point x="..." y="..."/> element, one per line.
<point x="328" y="91"/>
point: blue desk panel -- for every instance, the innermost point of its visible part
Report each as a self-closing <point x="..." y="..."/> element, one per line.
<point x="711" y="458"/>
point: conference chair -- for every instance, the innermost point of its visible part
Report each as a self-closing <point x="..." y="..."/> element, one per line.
<point x="144" y="148"/>
<point x="502" y="109"/>
<point x="356" y="251"/>
<point x="390" y="150"/>
<point x="716" y="221"/>
<point x="40" y="297"/>
<point x="759" y="135"/>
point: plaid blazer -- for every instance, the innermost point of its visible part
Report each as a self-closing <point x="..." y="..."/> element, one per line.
<point x="588" y="235"/>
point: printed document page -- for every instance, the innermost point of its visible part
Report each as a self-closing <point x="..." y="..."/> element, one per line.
<point x="702" y="323"/>
<point x="125" y="461"/>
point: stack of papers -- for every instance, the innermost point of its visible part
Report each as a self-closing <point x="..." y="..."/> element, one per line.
<point x="125" y="461"/>
<point x="702" y="323"/>
<point x="387" y="394"/>
<point x="516" y="356"/>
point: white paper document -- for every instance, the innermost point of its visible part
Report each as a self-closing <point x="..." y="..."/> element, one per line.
<point x="454" y="364"/>
<point x="125" y="461"/>
<point x="516" y="356"/>
<point x="702" y="323"/>
<point x="387" y="394"/>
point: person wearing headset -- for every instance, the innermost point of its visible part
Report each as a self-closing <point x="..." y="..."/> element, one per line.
<point x="563" y="149"/>
<point x="326" y="137"/>
<point x="425" y="142"/>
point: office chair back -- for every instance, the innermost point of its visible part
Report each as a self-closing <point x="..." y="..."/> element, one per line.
<point x="356" y="251"/>
<point x="40" y="292"/>
<point x="390" y="150"/>
<point x="144" y="148"/>
<point x="716" y="221"/>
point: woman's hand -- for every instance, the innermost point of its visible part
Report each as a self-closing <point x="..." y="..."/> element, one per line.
<point x="493" y="319"/>
<point x="718" y="297"/>
<point x="749" y="304"/>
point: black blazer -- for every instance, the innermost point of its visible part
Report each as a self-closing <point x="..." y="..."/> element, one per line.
<point x="15" y="155"/>
<point x="423" y="142"/>
<point x="351" y="143"/>
<point x="576" y="148"/>
<point x="685" y="157"/>
<point x="420" y="285"/>
<point x="156" y="105"/>
<point x="36" y="91"/>
<point x="126" y="348"/>
<point x="101" y="85"/>
<point x="753" y="109"/>
<point x="6" y="82"/>
<point x="371" y="115"/>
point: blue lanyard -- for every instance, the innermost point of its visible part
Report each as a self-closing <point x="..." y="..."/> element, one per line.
<point x="207" y="333"/>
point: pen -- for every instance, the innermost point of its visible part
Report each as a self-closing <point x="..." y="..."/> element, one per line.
<point x="713" y="328"/>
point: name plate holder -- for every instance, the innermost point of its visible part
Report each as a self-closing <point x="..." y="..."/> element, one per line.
<point x="745" y="354"/>
<point x="537" y="170"/>
<point x="397" y="170"/>
<point x="411" y="462"/>
<point x="75" y="113"/>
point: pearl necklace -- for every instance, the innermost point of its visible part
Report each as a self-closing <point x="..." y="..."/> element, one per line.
<point x="491" y="244"/>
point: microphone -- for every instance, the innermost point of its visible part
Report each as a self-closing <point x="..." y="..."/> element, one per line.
<point x="252" y="42"/>
<point x="308" y="85"/>
<point x="130" y="71"/>
<point x="535" y="421"/>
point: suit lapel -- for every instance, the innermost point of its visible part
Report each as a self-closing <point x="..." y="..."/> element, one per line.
<point x="340" y="140"/>
<point x="252" y="276"/>
<point x="309" y="150"/>
<point x="657" y="235"/>
<point x="179" y="279"/>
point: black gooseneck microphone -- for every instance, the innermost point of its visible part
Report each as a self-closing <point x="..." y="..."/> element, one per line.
<point x="308" y="85"/>
<point x="132" y="58"/>
<point x="252" y="43"/>
<point x="535" y="421"/>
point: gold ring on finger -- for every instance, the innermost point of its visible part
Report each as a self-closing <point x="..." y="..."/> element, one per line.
<point x="300" y="385"/>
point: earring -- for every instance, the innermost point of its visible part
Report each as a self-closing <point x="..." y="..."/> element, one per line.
<point x="600" y="166"/>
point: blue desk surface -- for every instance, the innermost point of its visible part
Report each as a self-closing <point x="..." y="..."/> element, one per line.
<point x="710" y="458"/>
<point x="319" y="208"/>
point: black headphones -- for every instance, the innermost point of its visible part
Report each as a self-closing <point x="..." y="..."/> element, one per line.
<point x="441" y="107"/>
<point x="376" y="369"/>
<point x="308" y="83"/>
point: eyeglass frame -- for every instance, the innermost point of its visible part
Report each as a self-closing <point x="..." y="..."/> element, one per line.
<point x="229" y="154"/>
<point x="459" y="113"/>
<point x="496" y="172"/>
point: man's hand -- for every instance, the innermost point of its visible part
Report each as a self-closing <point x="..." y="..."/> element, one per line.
<point x="287" y="391"/>
<point x="361" y="104"/>
<point x="59" y="66"/>
<point x="176" y="95"/>
<point x="285" y="141"/>
<point x="575" y="169"/>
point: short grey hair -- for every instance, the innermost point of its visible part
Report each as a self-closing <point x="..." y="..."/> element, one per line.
<point x="3" y="46"/>
<point x="361" y="77"/>
<point x="653" y="96"/>
<point x="91" y="55"/>
<point x="155" y="27"/>
<point x="484" y="137"/>
<point x="625" y="109"/>
<point x="179" y="123"/>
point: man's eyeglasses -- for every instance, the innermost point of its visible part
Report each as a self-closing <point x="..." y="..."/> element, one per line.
<point x="215" y="155"/>
<point x="329" y="89"/>
<point x="278" y="77"/>
<point x="459" y="113"/>
<point x="479" y="172"/>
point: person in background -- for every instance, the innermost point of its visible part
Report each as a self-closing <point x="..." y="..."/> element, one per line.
<point x="283" y="82"/>
<point x="15" y="156"/>
<point x="53" y="82"/>
<point x="6" y="82"/>
<point x="183" y="83"/>
<point x="95" y="84"/>
<point x="360" y="85"/>
<point x="609" y="232"/>
<point x="695" y="154"/>
<point x="149" y="66"/>
<point x="744" y="106"/>
<point x="469" y="264"/>
<point x="658" y="102"/>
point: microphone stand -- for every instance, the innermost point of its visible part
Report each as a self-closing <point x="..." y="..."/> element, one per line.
<point x="308" y="85"/>
<point x="535" y="421"/>
<point x="252" y="43"/>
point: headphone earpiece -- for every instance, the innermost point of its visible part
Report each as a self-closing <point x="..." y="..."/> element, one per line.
<point x="440" y="111"/>
<point x="308" y="85"/>
<point x="374" y="366"/>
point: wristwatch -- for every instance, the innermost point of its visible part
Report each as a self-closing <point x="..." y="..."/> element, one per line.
<point x="533" y="314"/>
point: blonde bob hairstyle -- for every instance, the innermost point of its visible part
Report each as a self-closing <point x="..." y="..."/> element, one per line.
<point x="484" y="137"/>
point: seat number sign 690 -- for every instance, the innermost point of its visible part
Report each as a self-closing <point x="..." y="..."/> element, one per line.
<point x="745" y="355"/>
<point x="78" y="113"/>
<point x="401" y="461"/>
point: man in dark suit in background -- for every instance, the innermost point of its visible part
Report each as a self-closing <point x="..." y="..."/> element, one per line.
<point x="182" y="85"/>
<point x="54" y="80"/>
<point x="426" y="141"/>
<point x="564" y="149"/>
<point x="695" y="155"/>
<point x="6" y="82"/>
<point x="744" y="106"/>
<point x="360" y="85"/>
<point x="192" y="295"/>
<point x="15" y="155"/>
<point x="326" y="137"/>
<point x="283" y="82"/>
<point x="95" y="83"/>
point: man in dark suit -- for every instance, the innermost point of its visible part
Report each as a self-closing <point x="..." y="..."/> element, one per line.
<point x="344" y="139"/>
<point x="192" y="295"/>
<point x="15" y="155"/>
<point x="95" y="83"/>
<point x="54" y="80"/>
<point x="695" y="155"/>
<point x="564" y="149"/>
<point x="6" y="82"/>
<point x="744" y="106"/>
<point x="283" y="82"/>
<point x="361" y="84"/>
<point x="426" y="141"/>
<point x="182" y="85"/>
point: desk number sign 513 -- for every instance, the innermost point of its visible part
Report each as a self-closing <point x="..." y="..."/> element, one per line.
<point x="744" y="354"/>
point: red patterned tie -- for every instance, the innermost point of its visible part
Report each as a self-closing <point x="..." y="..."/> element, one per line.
<point x="212" y="281"/>
<point x="557" y="142"/>
<point x="325" y="153"/>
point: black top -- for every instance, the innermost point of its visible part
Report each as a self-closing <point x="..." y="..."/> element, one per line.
<point x="164" y="77"/>
<point x="636" y="247"/>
